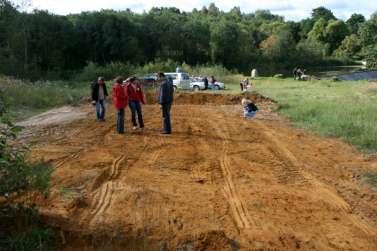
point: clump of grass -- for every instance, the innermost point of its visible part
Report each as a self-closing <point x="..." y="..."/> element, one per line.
<point x="372" y="178"/>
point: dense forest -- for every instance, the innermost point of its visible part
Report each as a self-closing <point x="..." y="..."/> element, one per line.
<point x="43" y="45"/>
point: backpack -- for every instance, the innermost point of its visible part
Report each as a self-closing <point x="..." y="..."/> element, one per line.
<point x="252" y="107"/>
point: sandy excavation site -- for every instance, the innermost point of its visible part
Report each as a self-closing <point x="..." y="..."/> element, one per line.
<point x="218" y="183"/>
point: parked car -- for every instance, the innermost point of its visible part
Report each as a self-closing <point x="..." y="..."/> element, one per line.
<point x="199" y="85"/>
<point x="180" y="80"/>
<point x="149" y="79"/>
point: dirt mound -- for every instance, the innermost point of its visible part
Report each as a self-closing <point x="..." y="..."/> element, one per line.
<point x="201" y="98"/>
<point x="219" y="182"/>
<point x="60" y="115"/>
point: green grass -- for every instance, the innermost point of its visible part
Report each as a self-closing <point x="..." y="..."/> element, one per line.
<point x="345" y="110"/>
<point x="372" y="178"/>
<point x="26" y="99"/>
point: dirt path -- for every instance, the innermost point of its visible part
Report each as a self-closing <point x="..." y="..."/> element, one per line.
<point x="218" y="183"/>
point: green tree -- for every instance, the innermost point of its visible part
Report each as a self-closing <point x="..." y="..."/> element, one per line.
<point x="354" y="23"/>
<point x="318" y="33"/>
<point x="335" y="32"/>
<point x="371" y="56"/>
<point x="322" y="12"/>
<point x="279" y="47"/>
<point x="368" y="31"/>
<point x="225" y="41"/>
<point x="349" y="48"/>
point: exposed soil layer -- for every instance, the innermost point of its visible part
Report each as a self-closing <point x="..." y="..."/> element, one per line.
<point x="219" y="182"/>
<point x="200" y="98"/>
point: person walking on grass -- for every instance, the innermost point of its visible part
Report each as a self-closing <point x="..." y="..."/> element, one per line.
<point x="165" y="99"/>
<point x="135" y="95"/>
<point x="99" y="95"/>
<point x="120" y="103"/>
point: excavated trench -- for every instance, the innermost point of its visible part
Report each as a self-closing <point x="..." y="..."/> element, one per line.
<point x="219" y="182"/>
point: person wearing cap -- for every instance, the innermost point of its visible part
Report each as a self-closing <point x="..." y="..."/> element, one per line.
<point x="99" y="95"/>
<point x="165" y="99"/>
<point x="120" y="103"/>
<point x="135" y="95"/>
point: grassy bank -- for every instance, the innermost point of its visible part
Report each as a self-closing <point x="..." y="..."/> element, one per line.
<point x="25" y="99"/>
<point x="345" y="110"/>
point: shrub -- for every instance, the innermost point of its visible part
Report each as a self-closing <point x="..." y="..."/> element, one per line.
<point x="92" y="71"/>
<point x="19" y="226"/>
<point x="24" y="231"/>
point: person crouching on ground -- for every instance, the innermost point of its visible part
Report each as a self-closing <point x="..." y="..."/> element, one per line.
<point x="249" y="108"/>
<point x="99" y="94"/>
<point x="120" y="103"/>
<point x="135" y="97"/>
<point x="165" y="99"/>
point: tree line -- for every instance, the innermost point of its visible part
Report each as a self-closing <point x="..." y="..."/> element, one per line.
<point x="42" y="44"/>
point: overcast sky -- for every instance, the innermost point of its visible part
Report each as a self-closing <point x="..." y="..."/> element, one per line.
<point x="291" y="9"/>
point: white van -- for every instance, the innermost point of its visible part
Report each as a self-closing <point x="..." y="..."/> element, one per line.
<point x="180" y="80"/>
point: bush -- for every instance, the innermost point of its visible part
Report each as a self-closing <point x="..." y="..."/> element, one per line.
<point x="15" y="173"/>
<point x="19" y="226"/>
<point x="371" y="57"/>
<point x="24" y="231"/>
<point x="92" y="71"/>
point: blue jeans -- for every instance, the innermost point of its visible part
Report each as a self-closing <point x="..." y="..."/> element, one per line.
<point x="136" y="109"/>
<point x="100" y="109"/>
<point x="166" y="117"/>
<point x="120" y="121"/>
<point x="249" y="115"/>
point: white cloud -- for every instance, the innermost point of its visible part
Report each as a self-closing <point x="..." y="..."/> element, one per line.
<point x="291" y="9"/>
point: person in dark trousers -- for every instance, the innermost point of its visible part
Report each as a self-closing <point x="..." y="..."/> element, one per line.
<point x="120" y="103"/>
<point x="295" y="73"/>
<point x="165" y="99"/>
<point x="205" y="80"/>
<point x="99" y="95"/>
<point x="135" y="97"/>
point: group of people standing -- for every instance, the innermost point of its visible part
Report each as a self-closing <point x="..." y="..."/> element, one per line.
<point x="130" y="93"/>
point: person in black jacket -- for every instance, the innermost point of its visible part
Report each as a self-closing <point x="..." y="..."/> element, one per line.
<point x="99" y="94"/>
<point x="205" y="80"/>
<point x="165" y="99"/>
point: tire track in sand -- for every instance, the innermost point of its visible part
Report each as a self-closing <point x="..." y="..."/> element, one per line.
<point x="66" y="159"/>
<point x="302" y="177"/>
<point x="156" y="154"/>
<point x="240" y="214"/>
<point x="103" y="199"/>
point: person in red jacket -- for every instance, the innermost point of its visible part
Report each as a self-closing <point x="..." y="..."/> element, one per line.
<point x="135" y="97"/>
<point x="120" y="103"/>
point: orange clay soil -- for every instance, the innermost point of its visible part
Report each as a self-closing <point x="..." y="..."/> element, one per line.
<point x="218" y="183"/>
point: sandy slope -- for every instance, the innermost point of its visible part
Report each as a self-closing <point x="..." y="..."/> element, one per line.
<point x="218" y="183"/>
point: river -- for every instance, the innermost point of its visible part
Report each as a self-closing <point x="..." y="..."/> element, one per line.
<point x="349" y="73"/>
